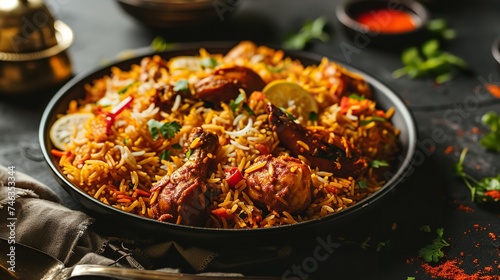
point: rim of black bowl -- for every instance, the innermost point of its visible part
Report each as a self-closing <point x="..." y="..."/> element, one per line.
<point x="495" y="49"/>
<point x="419" y="10"/>
<point x="403" y="170"/>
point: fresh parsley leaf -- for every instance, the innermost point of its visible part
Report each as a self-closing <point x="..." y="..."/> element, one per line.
<point x="371" y="119"/>
<point x="429" y="60"/>
<point x="378" y="163"/>
<point x="188" y="153"/>
<point x="484" y="190"/>
<point x="165" y="155"/>
<point x="209" y="62"/>
<point x="440" y="26"/>
<point x="125" y="141"/>
<point x="313" y="116"/>
<point x="176" y="146"/>
<point x="166" y="130"/>
<point x="310" y="30"/>
<point x="491" y="141"/>
<point x="433" y="252"/>
<point x="181" y="85"/>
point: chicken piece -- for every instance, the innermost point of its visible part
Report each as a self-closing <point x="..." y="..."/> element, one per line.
<point x="181" y="199"/>
<point x="333" y="155"/>
<point x="282" y="184"/>
<point x="225" y="83"/>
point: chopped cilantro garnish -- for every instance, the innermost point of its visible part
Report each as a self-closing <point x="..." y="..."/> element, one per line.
<point x="434" y="62"/>
<point x="310" y="31"/>
<point x="247" y="109"/>
<point x="313" y="116"/>
<point x="484" y="190"/>
<point x="356" y="96"/>
<point x="234" y="104"/>
<point x="433" y="252"/>
<point x="165" y="155"/>
<point x="176" y="146"/>
<point x="378" y="163"/>
<point x="287" y="113"/>
<point x="208" y="62"/>
<point x="181" y="85"/>
<point x="491" y="141"/>
<point x="362" y="184"/>
<point x="167" y="130"/>
<point x="371" y="119"/>
<point x="125" y="88"/>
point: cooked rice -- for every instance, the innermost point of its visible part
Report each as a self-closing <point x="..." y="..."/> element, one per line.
<point x="119" y="169"/>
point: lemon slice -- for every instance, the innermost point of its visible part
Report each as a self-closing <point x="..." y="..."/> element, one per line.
<point x="283" y="93"/>
<point x="64" y="127"/>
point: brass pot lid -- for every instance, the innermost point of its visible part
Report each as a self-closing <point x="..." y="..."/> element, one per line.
<point x="26" y="26"/>
<point x="64" y="38"/>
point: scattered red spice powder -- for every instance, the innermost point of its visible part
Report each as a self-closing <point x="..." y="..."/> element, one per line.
<point x="448" y="150"/>
<point x="475" y="130"/>
<point x="494" y="90"/>
<point x="450" y="270"/>
<point x="492" y="236"/>
<point x="465" y="208"/>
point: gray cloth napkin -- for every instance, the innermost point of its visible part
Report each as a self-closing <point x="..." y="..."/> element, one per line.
<point x="43" y="223"/>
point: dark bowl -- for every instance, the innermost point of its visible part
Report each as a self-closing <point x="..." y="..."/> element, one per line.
<point x="348" y="10"/>
<point x="134" y="226"/>
<point x="495" y="50"/>
<point x="177" y="13"/>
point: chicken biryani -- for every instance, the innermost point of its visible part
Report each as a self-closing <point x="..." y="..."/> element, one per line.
<point x="250" y="138"/>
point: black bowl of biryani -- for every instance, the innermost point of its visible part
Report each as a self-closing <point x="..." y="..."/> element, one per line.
<point x="215" y="142"/>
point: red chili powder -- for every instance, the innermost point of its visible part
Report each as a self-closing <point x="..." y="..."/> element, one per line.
<point x="387" y="21"/>
<point x="465" y="208"/>
<point x="492" y="235"/>
<point x="450" y="270"/>
<point x="448" y="150"/>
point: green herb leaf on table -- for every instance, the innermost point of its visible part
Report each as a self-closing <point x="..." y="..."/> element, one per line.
<point x="491" y="141"/>
<point x="429" y="60"/>
<point x="440" y="27"/>
<point x="433" y="252"/>
<point x="310" y="31"/>
<point x="484" y="190"/>
<point x="166" y="130"/>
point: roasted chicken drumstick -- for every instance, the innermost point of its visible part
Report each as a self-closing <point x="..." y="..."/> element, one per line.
<point x="182" y="194"/>
<point x="333" y="155"/>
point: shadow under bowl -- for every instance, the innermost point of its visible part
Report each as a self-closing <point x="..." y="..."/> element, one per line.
<point x="348" y="12"/>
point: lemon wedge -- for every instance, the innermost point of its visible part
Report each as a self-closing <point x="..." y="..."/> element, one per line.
<point x="62" y="129"/>
<point x="283" y="93"/>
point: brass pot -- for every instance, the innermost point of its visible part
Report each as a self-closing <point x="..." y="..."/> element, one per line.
<point x="33" y="48"/>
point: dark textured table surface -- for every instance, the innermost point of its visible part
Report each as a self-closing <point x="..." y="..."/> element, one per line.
<point x="432" y="195"/>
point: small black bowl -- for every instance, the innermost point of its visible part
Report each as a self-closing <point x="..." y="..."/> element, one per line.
<point x="495" y="50"/>
<point x="362" y="37"/>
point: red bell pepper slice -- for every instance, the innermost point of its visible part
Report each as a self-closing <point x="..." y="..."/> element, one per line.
<point x="233" y="176"/>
